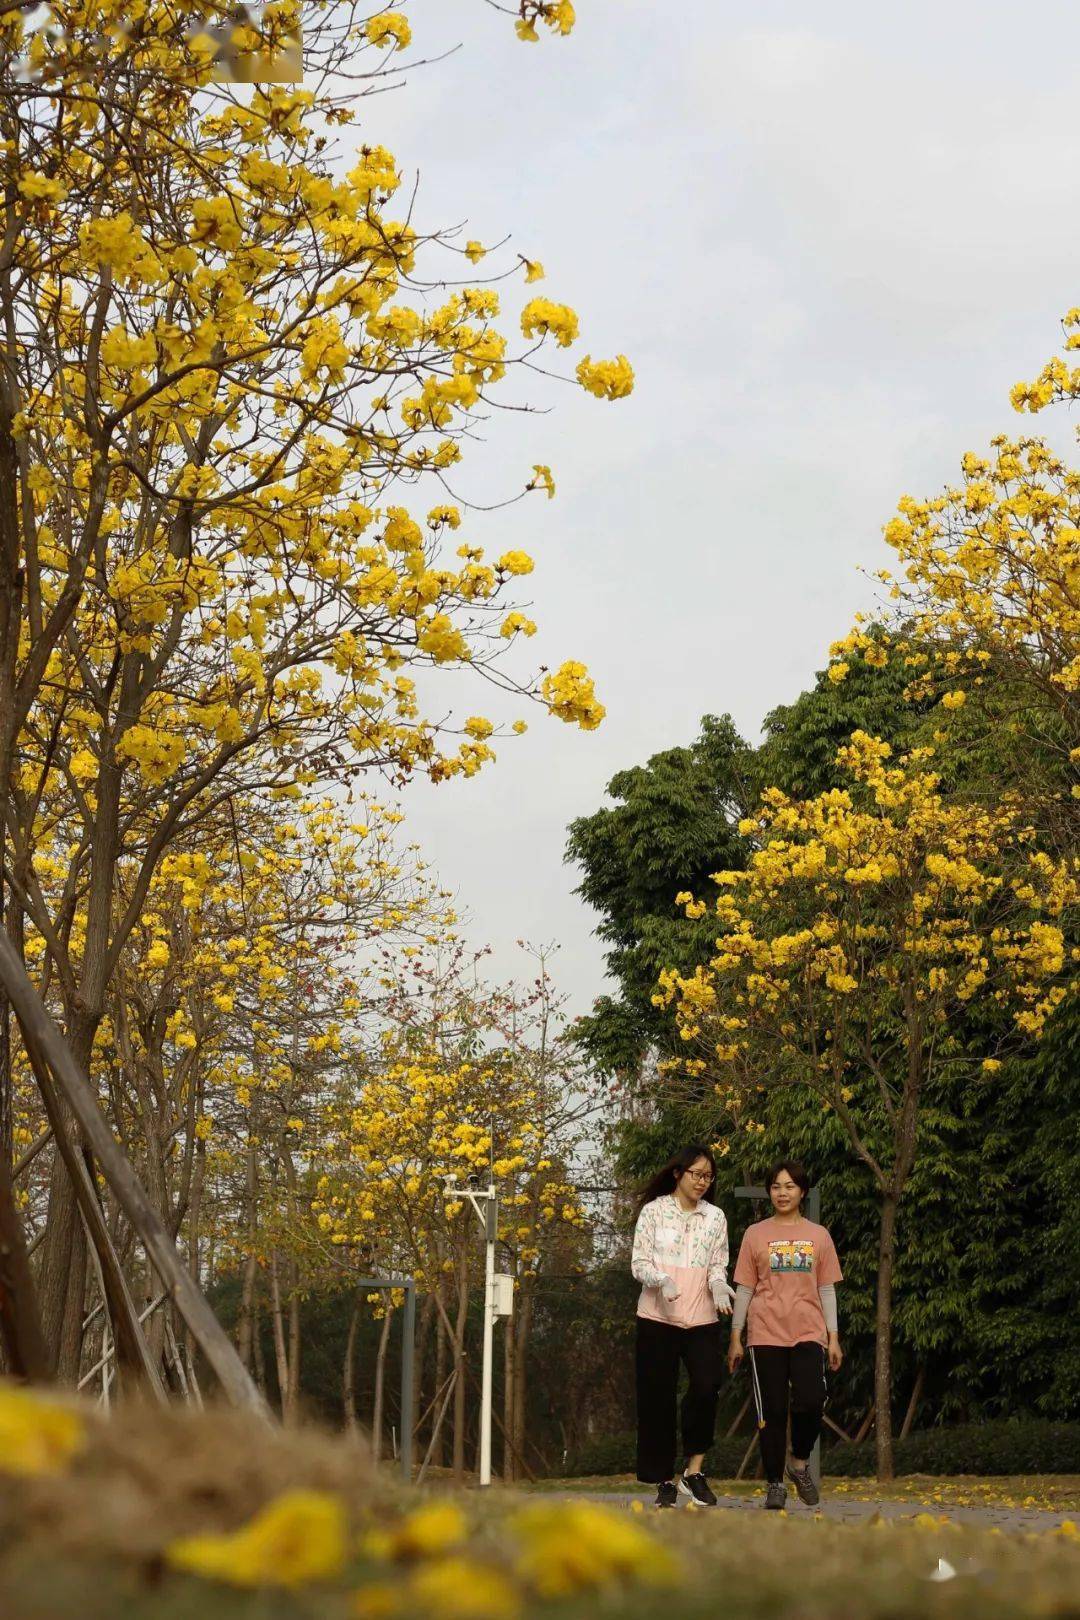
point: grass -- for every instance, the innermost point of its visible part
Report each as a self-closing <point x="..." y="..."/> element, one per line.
<point x="89" y="1543"/>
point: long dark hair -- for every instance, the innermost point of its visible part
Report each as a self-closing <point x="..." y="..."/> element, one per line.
<point x="665" y="1179"/>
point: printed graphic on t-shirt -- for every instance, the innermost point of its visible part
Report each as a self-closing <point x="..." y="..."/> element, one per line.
<point x="791" y="1254"/>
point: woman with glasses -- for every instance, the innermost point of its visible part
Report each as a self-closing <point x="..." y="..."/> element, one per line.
<point x="680" y="1258"/>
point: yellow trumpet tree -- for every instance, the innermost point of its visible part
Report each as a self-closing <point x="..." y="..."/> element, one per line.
<point x="487" y="1086"/>
<point x="234" y="387"/>
<point x="867" y="923"/>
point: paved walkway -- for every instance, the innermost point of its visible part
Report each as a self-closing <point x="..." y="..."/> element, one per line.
<point x="846" y="1511"/>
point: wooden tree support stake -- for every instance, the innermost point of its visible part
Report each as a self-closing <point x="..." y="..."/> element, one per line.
<point x="40" y="1033"/>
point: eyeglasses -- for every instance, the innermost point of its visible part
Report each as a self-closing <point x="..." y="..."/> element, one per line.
<point x="700" y="1175"/>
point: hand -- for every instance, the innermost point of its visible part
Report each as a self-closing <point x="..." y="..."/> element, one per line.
<point x="669" y="1290"/>
<point x="835" y="1354"/>
<point x="734" y="1353"/>
<point x="722" y="1298"/>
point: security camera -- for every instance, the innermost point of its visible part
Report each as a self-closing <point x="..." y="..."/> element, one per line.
<point x="472" y="1181"/>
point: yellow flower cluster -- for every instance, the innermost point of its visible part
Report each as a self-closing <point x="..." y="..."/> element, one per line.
<point x="607" y="379"/>
<point x="558" y="15"/>
<point x="872" y="897"/>
<point x="389" y="28"/>
<point x="543" y="318"/>
<point x="570" y="694"/>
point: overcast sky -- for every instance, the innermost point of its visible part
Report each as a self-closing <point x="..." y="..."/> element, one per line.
<point x="829" y="238"/>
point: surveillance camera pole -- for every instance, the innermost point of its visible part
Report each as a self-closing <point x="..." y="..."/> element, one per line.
<point x="485" y="1202"/>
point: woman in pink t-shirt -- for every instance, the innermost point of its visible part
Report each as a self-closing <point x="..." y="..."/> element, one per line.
<point x="785" y="1278"/>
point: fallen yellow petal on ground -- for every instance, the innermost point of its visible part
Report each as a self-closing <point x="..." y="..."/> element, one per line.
<point x="299" y="1537"/>
<point x="37" y="1435"/>
<point x="462" y="1589"/>
<point x="579" y="1546"/>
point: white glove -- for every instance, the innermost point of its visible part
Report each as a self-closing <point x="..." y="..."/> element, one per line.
<point x="669" y="1290"/>
<point x="723" y="1296"/>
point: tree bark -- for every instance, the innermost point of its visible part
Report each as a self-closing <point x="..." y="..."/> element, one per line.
<point x="459" y="1362"/>
<point x="883" y="1338"/>
<point x="281" y="1354"/>
<point x="294" y="1343"/>
<point x="348" y="1377"/>
<point x="423" y="1347"/>
<point x="24" y="1344"/>
<point x="509" y="1347"/>
<point x="523" y="1318"/>
<point x="442" y="1356"/>
<point x="246" y="1325"/>
<point x="380" y="1385"/>
<point x="257" y="1347"/>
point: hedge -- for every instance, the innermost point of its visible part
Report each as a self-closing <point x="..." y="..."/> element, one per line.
<point x="1024" y="1446"/>
<point x="1021" y="1447"/>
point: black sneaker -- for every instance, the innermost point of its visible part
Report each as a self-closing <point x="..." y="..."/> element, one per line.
<point x="776" y="1495"/>
<point x="695" y="1487"/>
<point x="667" y="1495"/>
<point x="803" y="1481"/>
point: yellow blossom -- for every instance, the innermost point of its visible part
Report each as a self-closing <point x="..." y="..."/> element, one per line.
<point x="579" y="1547"/>
<point x="462" y="1589"/>
<point x="299" y="1537"/>
<point x="607" y="379"/>
<point x="542" y="318"/>
<point x="37" y="1435"/>
<point x="389" y="28"/>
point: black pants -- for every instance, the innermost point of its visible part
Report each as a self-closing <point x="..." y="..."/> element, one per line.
<point x="774" y="1370"/>
<point x="660" y="1350"/>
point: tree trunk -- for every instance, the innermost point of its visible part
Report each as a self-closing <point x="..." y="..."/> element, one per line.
<point x="281" y="1353"/>
<point x="348" y="1376"/>
<point x="294" y="1343"/>
<point x="20" y="1329"/>
<point x="245" y="1328"/>
<point x="459" y="1362"/>
<point x="442" y="1356"/>
<point x="257" y="1347"/>
<point x="509" y="1347"/>
<point x="883" y="1338"/>
<point x="420" y="1364"/>
<point x="523" y="1317"/>
<point x="380" y="1385"/>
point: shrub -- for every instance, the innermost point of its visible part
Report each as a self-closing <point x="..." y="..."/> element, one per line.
<point x="1023" y="1447"/>
<point x="1027" y="1446"/>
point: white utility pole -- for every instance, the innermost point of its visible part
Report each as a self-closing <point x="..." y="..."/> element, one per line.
<point x="498" y="1301"/>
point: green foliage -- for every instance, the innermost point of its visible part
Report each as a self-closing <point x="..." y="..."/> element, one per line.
<point x="675" y="821"/>
<point x="986" y="1449"/>
<point x="988" y="1268"/>
<point x="798" y="753"/>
